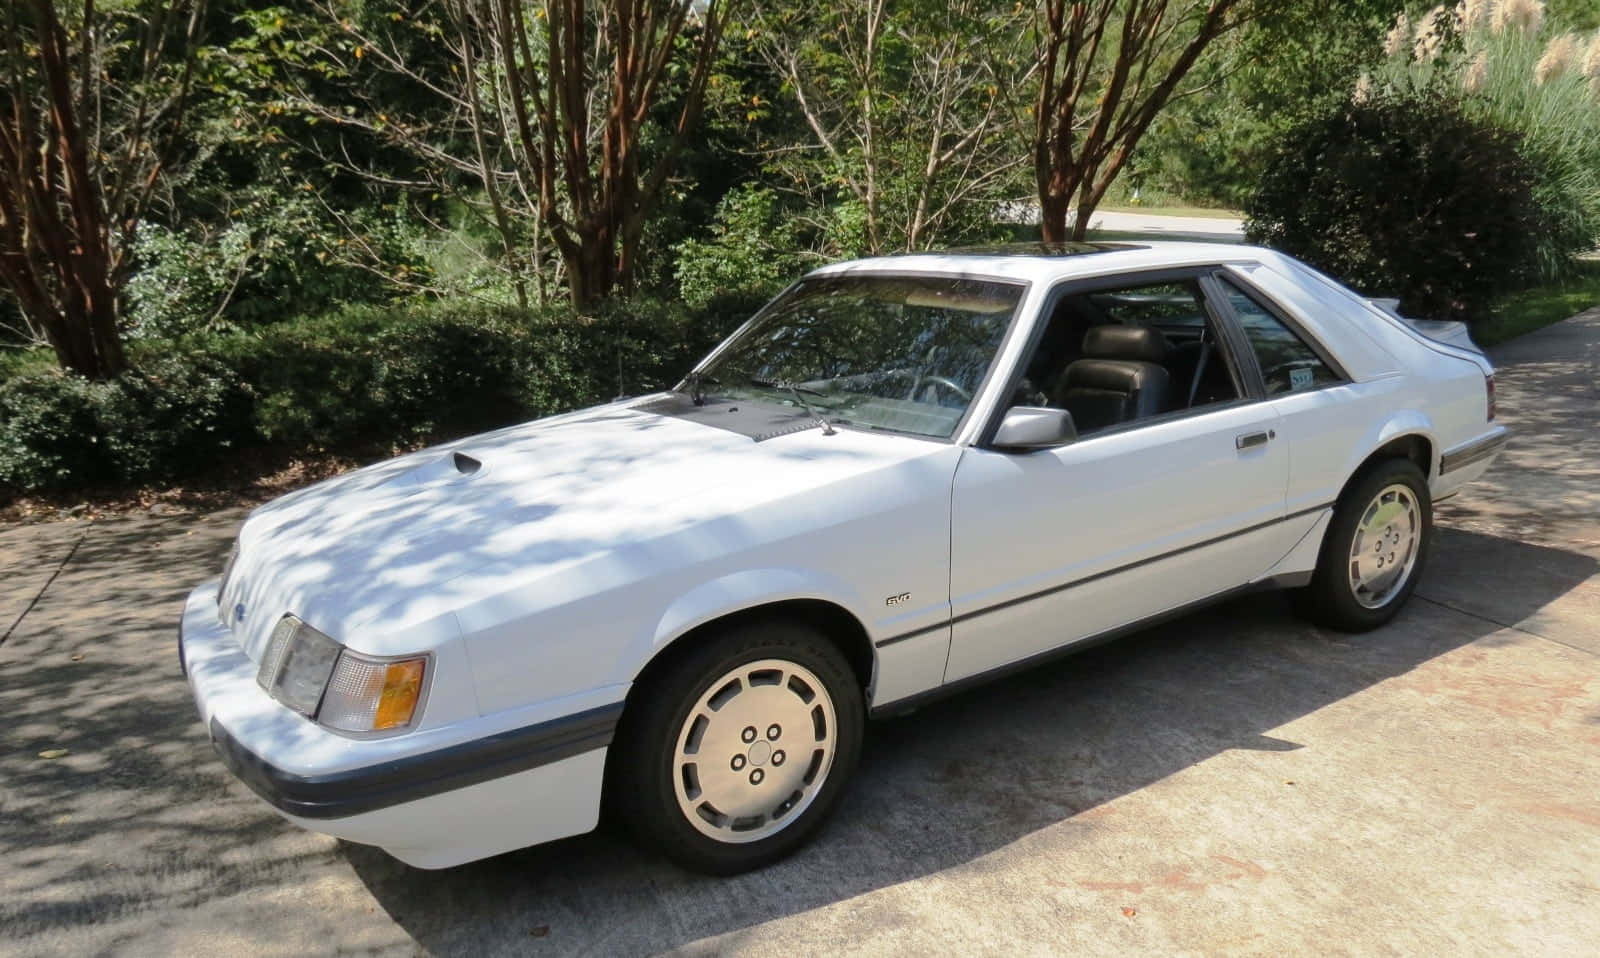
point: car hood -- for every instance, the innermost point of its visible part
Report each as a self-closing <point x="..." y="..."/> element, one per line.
<point x="347" y="554"/>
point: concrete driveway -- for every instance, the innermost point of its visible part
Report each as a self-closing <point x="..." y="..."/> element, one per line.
<point x="1232" y="782"/>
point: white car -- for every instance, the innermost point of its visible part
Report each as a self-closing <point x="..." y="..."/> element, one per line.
<point x="903" y="476"/>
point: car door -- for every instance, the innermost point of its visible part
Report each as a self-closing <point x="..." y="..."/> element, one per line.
<point x="1056" y="546"/>
<point x="1326" y="415"/>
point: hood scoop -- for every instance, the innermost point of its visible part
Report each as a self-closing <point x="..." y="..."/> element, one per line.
<point x="439" y="471"/>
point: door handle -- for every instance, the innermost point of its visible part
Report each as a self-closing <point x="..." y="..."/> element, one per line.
<point x="1250" y="440"/>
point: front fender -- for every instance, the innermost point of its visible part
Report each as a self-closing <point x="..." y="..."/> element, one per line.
<point x="737" y="592"/>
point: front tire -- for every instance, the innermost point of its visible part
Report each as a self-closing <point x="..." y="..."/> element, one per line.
<point x="1374" y="550"/>
<point x="737" y="751"/>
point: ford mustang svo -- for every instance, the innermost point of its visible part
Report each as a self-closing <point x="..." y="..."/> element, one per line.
<point x="902" y="476"/>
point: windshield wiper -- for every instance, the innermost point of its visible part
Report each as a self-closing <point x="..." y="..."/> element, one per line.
<point x="696" y="382"/>
<point x="795" y="390"/>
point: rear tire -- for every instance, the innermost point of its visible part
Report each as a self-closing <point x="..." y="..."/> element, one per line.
<point x="737" y="751"/>
<point x="1374" y="550"/>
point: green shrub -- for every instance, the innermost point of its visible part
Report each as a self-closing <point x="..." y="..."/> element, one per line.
<point x="752" y="250"/>
<point x="280" y="256"/>
<point x="416" y="369"/>
<point x="1405" y="194"/>
<point x="1520" y="72"/>
<point x="171" y="418"/>
<point x="359" y="376"/>
<point x="50" y="434"/>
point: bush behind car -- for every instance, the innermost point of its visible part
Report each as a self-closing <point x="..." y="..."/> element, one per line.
<point x="1406" y="194"/>
<point x="400" y="373"/>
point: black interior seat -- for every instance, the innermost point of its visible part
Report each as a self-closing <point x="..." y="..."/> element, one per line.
<point x="1122" y="377"/>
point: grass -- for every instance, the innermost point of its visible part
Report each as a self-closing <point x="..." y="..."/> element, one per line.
<point x="15" y="360"/>
<point x="1527" y="310"/>
<point x="1203" y="212"/>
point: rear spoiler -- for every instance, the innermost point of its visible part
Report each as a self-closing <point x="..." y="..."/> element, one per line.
<point x="1439" y="330"/>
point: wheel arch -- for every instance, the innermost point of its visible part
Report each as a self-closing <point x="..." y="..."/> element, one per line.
<point x="831" y="619"/>
<point x="1416" y="446"/>
<point x="1408" y="434"/>
<point x="1406" y="437"/>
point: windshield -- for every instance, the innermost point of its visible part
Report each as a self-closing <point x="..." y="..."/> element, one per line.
<point x="905" y="353"/>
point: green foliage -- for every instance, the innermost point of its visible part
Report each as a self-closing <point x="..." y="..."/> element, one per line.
<point x="174" y="417"/>
<point x="15" y="362"/>
<point x="416" y="369"/>
<point x="360" y="375"/>
<point x="50" y="435"/>
<point x="1209" y="146"/>
<point x="1404" y="194"/>
<point x="1575" y="14"/>
<point x="752" y="250"/>
<point x="1525" y="79"/>
<point x="273" y="258"/>
<point x="901" y="126"/>
<point x="1538" y="306"/>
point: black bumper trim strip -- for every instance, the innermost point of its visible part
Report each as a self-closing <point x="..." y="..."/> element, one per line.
<point x="1470" y="453"/>
<point x="891" y="640"/>
<point x="919" y="699"/>
<point x="373" y="787"/>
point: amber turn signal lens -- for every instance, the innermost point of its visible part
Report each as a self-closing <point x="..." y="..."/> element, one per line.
<point x="372" y="695"/>
<point x="402" y="687"/>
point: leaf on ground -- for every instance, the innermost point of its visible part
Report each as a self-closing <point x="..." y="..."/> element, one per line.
<point x="53" y="753"/>
<point x="1129" y="912"/>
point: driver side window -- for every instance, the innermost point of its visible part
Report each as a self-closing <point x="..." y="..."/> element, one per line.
<point x="1287" y="363"/>
<point x="1120" y="355"/>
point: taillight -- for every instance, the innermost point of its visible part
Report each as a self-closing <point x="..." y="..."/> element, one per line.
<point x="1488" y="385"/>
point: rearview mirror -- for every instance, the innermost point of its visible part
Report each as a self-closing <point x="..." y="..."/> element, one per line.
<point x="1026" y="428"/>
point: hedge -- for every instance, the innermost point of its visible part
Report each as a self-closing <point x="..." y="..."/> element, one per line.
<point x="362" y="375"/>
<point x="1406" y="194"/>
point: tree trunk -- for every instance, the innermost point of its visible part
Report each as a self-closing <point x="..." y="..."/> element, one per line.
<point x="1053" y="212"/>
<point x="1080" y="222"/>
<point x="77" y="171"/>
<point x="100" y="318"/>
<point x="591" y="266"/>
<point x="86" y="344"/>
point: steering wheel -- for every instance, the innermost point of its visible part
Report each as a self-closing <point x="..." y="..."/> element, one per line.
<point x="943" y="383"/>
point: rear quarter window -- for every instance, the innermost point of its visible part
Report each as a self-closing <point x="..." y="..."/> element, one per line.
<point x="1287" y="363"/>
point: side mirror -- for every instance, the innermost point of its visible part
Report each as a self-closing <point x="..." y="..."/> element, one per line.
<point x="1026" y="428"/>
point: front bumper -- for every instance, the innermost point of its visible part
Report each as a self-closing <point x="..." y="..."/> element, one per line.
<point x="430" y="798"/>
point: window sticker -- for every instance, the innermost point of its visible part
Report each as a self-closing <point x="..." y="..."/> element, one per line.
<point x="1301" y="378"/>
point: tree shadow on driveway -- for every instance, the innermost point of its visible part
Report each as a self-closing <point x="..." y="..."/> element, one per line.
<point x="974" y="773"/>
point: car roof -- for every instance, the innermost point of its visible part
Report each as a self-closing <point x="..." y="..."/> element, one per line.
<point x="1039" y="262"/>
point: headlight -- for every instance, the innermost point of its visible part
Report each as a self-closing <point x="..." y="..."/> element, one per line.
<point x="344" y="690"/>
<point x="298" y="662"/>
